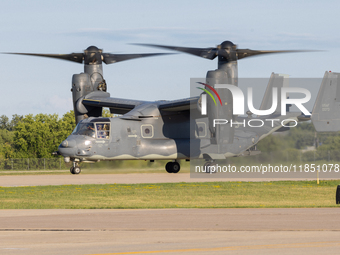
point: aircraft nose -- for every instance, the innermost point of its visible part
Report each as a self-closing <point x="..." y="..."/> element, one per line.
<point x="68" y="147"/>
<point x="67" y="151"/>
<point x="75" y="147"/>
<point x="68" y="143"/>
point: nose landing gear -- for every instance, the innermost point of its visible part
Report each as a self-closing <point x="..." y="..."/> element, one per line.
<point x="172" y="167"/>
<point x="75" y="169"/>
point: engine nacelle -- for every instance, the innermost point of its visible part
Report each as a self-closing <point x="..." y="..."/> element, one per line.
<point x="82" y="86"/>
<point x="221" y="134"/>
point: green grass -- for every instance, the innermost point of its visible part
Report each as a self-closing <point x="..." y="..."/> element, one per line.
<point x="173" y="195"/>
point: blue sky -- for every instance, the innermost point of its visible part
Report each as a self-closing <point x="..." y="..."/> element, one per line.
<point x="38" y="85"/>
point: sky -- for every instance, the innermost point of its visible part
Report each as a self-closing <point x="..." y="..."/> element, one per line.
<point x="32" y="85"/>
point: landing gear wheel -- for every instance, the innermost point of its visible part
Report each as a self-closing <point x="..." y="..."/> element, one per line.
<point x="206" y="167"/>
<point x="210" y="167"/>
<point x="172" y="167"/>
<point x="76" y="170"/>
<point x="168" y="167"/>
<point x="337" y="197"/>
<point x="213" y="167"/>
<point x="175" y="167"/>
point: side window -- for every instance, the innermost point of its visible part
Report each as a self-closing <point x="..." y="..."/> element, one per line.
<point x="147" y="131"/>
<point x="201" y="129"/>
<point x="103" y="130"/>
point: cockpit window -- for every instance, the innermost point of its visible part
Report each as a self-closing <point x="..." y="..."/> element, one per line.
<point x="103" y="130"/>
<point x="95" y="130"/>
<point x="84" y="129"/>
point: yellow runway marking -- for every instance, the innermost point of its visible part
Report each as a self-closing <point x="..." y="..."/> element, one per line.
<point x="236" y="248"/>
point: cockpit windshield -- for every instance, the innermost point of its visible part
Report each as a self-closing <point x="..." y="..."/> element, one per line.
<point x="95" y="130"/>
<point x="84" y="129"/>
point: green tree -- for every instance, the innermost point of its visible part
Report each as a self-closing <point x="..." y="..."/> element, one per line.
<point x="4" y="122"/>
<point x="15" y="120"/>
<point x="332" y="143"/>
<point x="6" y="142"/>
<point x="9" y="125"/>
<point x="106" y="113"/>
<point x="274" y="142"/>
<point x="38" y="136"/>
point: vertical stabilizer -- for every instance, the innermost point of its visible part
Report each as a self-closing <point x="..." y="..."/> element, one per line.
<point x="326" y="111"/>
<point x="276" y="81"/>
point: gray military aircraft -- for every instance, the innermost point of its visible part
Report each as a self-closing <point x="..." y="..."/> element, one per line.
<point x="163" y="130"/>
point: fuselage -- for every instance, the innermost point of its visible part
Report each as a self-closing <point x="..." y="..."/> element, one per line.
<point x="159" y="136"/>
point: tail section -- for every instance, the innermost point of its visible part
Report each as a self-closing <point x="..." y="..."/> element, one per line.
<point x="326" y="111"/>
<point x="276" y="81"/>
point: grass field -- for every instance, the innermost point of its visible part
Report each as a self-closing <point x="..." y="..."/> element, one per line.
<point x="172" y="195"/>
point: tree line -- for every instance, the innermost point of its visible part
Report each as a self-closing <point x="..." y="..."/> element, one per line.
<point x="33" y="136"/>
<point x="299" y="138"/>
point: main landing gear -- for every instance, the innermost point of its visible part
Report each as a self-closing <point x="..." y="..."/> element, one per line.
<point x="75" y="169"/>
<point x="172" y="167"/>
<point x="210" y="167"/>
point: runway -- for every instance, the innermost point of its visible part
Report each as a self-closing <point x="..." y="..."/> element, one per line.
<point x="39" y="180"/>
<point x="163" y="231"/>
<point x="170" y="231"/>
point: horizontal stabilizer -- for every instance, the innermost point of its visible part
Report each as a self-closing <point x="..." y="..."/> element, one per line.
<point x="326" y="111"/>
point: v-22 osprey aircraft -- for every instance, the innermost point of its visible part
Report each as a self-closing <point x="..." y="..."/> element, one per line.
<point x="170" y="130"/>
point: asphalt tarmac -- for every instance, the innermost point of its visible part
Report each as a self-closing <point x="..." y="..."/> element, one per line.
<point x="38" y="180"/>
<point x="171" y="231"/>
<point x="163" y="231"/>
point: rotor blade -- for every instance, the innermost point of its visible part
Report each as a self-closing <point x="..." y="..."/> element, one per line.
<point x="243" y="53"/>
<point x="109" y="58"/>
<point x="75" y="57"/>
<point x="209" y="53"/>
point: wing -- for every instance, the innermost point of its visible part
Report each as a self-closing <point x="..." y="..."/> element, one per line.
<point x="123" y="106"/>
<point x="116" y="105"/>
<point x="157" y="108"/>
<point x="178" y="105"/>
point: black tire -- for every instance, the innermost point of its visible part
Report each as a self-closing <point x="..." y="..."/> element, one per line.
<point x="213" y="165"/>
<point x="77" y="170"/>
<point x="337" y="197"/>
<point x="207" y="167"/>
<point x="71" y="170"/>
<point x="168" y="167"/>
<point x="175" y="167"/>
